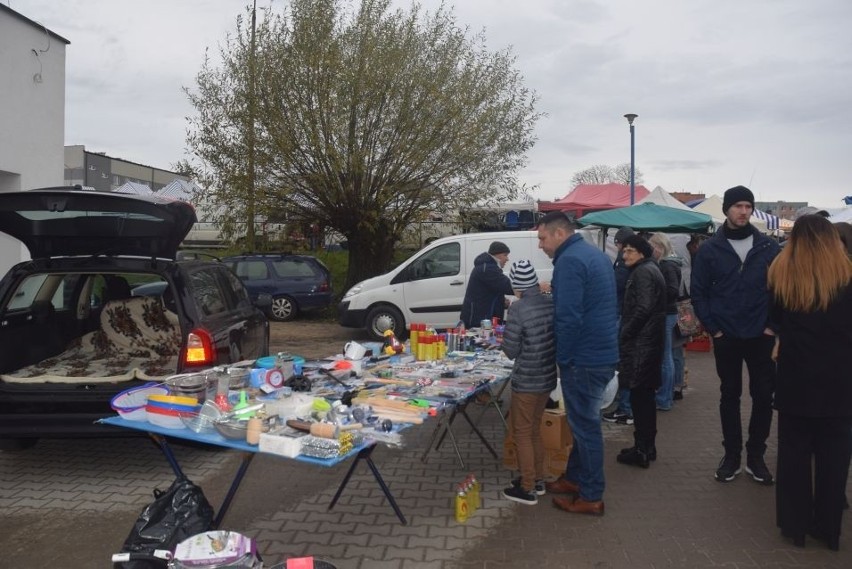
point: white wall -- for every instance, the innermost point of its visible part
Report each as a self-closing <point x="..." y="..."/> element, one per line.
<point x="32" y="114"/>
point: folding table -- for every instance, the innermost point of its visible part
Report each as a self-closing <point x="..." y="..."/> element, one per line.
<point x="159" y="434"/>
<point x="458" y="407"/>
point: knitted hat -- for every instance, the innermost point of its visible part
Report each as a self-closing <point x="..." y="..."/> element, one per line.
<point x="640" y="244"/>
<point x="497" y="247"/>
<point x="622" y="234"/>
<point x="735" y="195"/>
<point x="522" y="274"/>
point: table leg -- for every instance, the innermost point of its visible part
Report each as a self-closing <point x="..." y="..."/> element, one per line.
<point x="479" y="434"/>
<point x="235" y="485"/>
<point x="160" y="441"/>
<point x="366" y="454"/>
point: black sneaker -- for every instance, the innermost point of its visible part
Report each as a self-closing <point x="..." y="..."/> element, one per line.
<point x="539" y="489"/>
<point x="618" y="417"/>
<point x="757" y="469"/>
<point x="517" y="494"/>
<point x="677" y="395"/>
<point x="729" y="467"/>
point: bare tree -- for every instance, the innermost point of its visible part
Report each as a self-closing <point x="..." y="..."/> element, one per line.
<point x="603" y="174"/>
<point x="365" y="119"/>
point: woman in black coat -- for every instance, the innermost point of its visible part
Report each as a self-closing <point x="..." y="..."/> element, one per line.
<point x="641" y="341"/>
<point x="811" y="285"/>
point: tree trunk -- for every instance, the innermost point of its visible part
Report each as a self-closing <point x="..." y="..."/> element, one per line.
<point x="369" y="255"/>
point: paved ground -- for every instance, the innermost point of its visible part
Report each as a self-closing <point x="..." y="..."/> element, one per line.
<point x="71" y="503"/>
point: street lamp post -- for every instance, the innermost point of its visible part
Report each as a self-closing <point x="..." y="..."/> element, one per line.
<point x="630" y="118"/>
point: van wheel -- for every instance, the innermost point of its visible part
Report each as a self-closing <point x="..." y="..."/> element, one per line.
<point x="283" y="309"/>
<point x="384" y="318"/>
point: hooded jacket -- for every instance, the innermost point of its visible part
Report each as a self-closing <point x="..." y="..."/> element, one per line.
<point x="730" y="295"/>
<point x="486" y="290"/>
<point x="642" y="335"/>
<point x="528" y="339"/>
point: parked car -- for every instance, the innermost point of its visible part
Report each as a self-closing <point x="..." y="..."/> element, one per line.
<point x="297" y="283"/>
<point x="73" y="335"/>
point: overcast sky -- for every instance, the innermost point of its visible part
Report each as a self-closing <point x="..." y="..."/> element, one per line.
<point x="753" y="92"/>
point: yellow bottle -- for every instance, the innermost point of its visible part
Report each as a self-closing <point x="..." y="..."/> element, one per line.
<point x="462" y="511"/>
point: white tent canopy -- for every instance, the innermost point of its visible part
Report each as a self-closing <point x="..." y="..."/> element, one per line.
<point x="712" y="206"/>
<point x="842" y="215"/>
<point x="660" y="196"/>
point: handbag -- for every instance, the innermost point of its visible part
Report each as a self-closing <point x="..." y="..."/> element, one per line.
<point x="687" y="323"/>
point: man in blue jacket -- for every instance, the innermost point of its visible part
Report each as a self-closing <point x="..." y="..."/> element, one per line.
<point x="586" y="327"/>
<point x="731" y="300"/>
<point x="487" y="287"/>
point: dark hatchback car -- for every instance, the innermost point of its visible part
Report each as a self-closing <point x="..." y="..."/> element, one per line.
<point x="297" y="283"/>
<point x="73" y="336"/>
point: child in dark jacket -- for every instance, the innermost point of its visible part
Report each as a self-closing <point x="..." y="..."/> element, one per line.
<point x="528" y="339"/>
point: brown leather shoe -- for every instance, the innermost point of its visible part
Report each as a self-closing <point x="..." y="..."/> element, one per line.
<point x="561" y="486"/>
<point x="579" y="506"/>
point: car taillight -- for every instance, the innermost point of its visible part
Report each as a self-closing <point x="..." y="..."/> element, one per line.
<point x="199" y="348"/>
<point x="323" y="287"/>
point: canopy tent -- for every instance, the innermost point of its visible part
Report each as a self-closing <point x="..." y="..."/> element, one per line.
<point x="843" y="215"/>
<point x="650" y="217"/>
<point x="712" y="206"/>
<point x="772" y="221"/>
<point x="661" y="197"/>
<point x="594" y="197"/>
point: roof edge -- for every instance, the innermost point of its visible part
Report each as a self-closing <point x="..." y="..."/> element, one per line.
<point x="33" y="23"/>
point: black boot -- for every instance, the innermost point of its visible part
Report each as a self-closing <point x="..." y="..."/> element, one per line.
<point x="634" y="457"/>
<point x="652" y="452"/>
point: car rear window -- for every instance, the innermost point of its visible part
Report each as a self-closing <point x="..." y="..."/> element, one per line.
<point x="293" y="268"/>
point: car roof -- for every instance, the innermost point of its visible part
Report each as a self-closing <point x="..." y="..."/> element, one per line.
<point x="59" y="222"/>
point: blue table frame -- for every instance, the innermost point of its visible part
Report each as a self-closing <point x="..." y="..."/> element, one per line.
<point x="159" y="434"/>
<point x="458" y="407"/>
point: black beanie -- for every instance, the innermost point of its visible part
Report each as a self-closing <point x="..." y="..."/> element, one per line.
<point x="497" y="247"/>
<point x="737" y="194"/>
<point x="640" y="244"/>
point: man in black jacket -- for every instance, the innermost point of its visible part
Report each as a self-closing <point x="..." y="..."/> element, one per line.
<point x="487" y="287"/>
<point x="731" y="299"/>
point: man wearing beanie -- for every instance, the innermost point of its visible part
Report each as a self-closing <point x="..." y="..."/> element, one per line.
<point x="528" y="339"/>
<point x="731" y="299"/>
<point x="487" y="287"/>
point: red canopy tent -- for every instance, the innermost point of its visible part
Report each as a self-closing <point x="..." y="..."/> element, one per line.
<point x="587" y="198"/>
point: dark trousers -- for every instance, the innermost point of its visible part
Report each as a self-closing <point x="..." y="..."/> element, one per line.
<point x="813" y="464"/>
<point x="643" y="401"/>
<point x="730" y="354"/>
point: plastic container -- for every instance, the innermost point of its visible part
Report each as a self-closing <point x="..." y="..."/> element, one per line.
<point x="130" y="404"/>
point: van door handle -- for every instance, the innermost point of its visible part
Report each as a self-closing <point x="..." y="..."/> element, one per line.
<point x="456" y="283"/>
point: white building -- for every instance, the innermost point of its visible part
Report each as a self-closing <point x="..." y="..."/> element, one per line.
<point x="32" y="112"/>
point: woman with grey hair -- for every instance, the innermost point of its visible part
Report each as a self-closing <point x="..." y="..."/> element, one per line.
<point x="670" y="266"/>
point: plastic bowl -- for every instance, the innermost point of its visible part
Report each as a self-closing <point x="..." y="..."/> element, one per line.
<point x="202" y="421"/>
<point x="174" y="411"/>
<point x="173" y="400"/>
<point x="165" y="421"/>
<point x="130" y="403"/>
<point x="232" y="429"/>
<point x="173" y="407"/>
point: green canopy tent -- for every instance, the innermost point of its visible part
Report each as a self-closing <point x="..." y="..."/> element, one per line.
<point x="650" y="217"/>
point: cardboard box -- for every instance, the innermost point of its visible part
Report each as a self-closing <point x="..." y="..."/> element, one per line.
<point x="555" y="433"/>
<point x="557" y="440"/>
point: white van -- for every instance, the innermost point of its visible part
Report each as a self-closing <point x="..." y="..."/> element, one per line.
<point x="429" y="286"/>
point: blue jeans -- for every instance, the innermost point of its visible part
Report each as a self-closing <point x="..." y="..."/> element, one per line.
<point x="679" y="366"/>
<point x="582" y="391"/>
<point x="664" y="393"/>
<point x="623" y="397"/>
